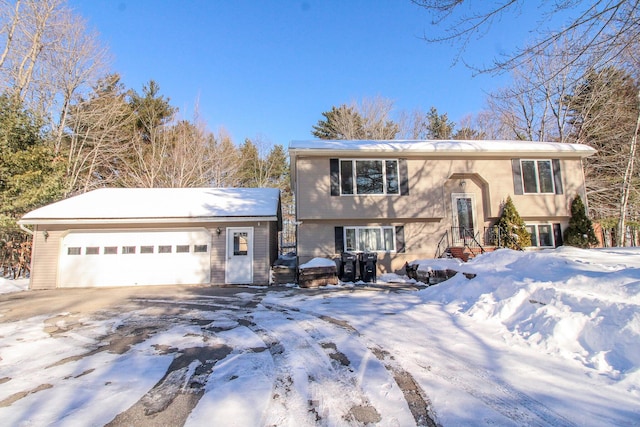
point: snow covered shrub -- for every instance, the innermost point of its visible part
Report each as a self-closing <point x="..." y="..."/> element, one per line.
<point x="511" y="227"/>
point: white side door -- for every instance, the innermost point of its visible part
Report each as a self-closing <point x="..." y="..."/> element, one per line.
<point x="239" y="265"/>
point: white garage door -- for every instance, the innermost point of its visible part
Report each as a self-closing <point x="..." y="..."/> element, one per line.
<point x="129" y="258"/>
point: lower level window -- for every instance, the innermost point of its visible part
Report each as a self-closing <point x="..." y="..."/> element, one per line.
<point x="541" y="235"/>
<point x="369" y="239"/>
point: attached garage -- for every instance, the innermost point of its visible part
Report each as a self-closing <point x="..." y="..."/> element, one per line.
<point x="134" y="237"/>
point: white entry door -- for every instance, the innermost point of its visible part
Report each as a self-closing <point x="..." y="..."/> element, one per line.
<point x="464" y="217"/>
<point x="239" y="267"/>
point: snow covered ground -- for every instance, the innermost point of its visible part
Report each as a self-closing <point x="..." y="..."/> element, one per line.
<point x="547" y="338"/>
<point x="9" y="286"/>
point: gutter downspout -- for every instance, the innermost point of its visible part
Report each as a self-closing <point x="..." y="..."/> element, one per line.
<point x="25" y="229"/>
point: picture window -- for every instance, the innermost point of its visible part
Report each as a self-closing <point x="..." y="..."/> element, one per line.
<point x="537" y="176"/>
<point x="369" y="239"/>
<point x="369" y="177"/>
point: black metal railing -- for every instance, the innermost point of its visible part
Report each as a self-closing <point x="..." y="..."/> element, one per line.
<point x="466" y="237"/>
<point x="443" y="245"/>
<point x="493" y="236"/>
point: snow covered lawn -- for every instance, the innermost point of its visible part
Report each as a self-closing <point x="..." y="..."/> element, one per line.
<point x="536" y="338"/>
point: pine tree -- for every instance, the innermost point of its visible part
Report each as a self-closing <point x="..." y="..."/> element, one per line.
<point x="340" y="123"/>
<point x="512" y="229"/>
<point x="31" y="175"/>
<point x="580" y="232"/>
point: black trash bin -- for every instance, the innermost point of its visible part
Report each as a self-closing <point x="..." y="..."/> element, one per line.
<point x="348" y="267"/>
<point x="368" y="269"/>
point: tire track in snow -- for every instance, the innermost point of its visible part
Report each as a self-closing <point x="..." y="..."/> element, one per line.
<point x="415" y="397"/>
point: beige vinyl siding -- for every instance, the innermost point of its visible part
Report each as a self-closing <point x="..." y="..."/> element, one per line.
<point x="218" y="253"/>
<point x="261" y="254"/>
<point x="429" y="192"/>
<point x="44" y="272"/>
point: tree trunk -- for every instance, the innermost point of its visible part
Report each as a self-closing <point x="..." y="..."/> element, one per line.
<point x="626" y="183"/>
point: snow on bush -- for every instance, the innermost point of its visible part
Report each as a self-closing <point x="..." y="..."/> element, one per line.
<point x="575" y="303"/>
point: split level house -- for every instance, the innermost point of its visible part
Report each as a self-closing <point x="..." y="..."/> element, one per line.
<point x="155" y="236"/>
<point x="409" y="200"/>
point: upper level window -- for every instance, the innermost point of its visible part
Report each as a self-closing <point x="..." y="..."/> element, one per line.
<point x="537" y="176"/>
<point x="369" y="177"/>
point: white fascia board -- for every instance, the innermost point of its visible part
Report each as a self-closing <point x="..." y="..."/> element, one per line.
<point x="440" y="148"/>
<point x="93" y="221"/>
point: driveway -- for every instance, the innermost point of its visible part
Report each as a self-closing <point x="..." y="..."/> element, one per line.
<point x="177" y="355"/>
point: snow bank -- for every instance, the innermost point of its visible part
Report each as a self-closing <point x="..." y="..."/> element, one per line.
<point x="573" y="303"/>
<point x="8" y="286"/>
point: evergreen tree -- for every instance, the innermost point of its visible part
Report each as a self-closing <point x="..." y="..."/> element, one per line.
<point x="152" y="110"/>
<point x="512" y="229"/>
<point x="438" y="125"/>
<point x="580" y="232"/>
<point x="340" y="123"/>
<point x="30" y="173"/>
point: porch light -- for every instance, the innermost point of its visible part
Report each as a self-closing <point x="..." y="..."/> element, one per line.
<point x="218" y="231"/>
<point x="463" y="184"/>
<point x="45" y="233"/>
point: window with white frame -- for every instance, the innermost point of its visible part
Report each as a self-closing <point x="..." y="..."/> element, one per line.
<point x="369" y="239"/>
<point x="369" y="177"/>
<point x="541" y="235"/>
<point x="537" y="176"/>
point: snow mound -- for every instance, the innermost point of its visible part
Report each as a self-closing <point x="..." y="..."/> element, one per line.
<point x="9" y="286"/>
<point x="574" y="303"/>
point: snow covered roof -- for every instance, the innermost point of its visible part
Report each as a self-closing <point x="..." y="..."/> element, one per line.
<point x="440" y="147"/>
<point x="160" y="205"/>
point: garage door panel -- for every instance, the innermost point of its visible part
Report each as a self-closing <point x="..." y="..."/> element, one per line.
<point x="128" y="258"/>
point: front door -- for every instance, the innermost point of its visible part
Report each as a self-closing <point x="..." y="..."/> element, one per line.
<point x="239" y="266"/>
<point x="463" y="215"/>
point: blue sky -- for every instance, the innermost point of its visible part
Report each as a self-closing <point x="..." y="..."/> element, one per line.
<point x="268" y="69"/>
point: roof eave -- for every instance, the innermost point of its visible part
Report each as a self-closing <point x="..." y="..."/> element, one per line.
<point x="97" y="221"/>
<point x="454" y="154"/>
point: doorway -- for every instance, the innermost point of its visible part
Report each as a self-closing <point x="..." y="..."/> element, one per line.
<point x="464" y="217"/>
<point x="239" y="265"/>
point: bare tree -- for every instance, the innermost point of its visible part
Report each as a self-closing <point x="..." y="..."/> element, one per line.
<point x="600" y="29"/>
<point x="224" y="159"/>
<point x="100" y="131"/>
<point x="78" y="62"/>
<point x="48" y="57"/>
